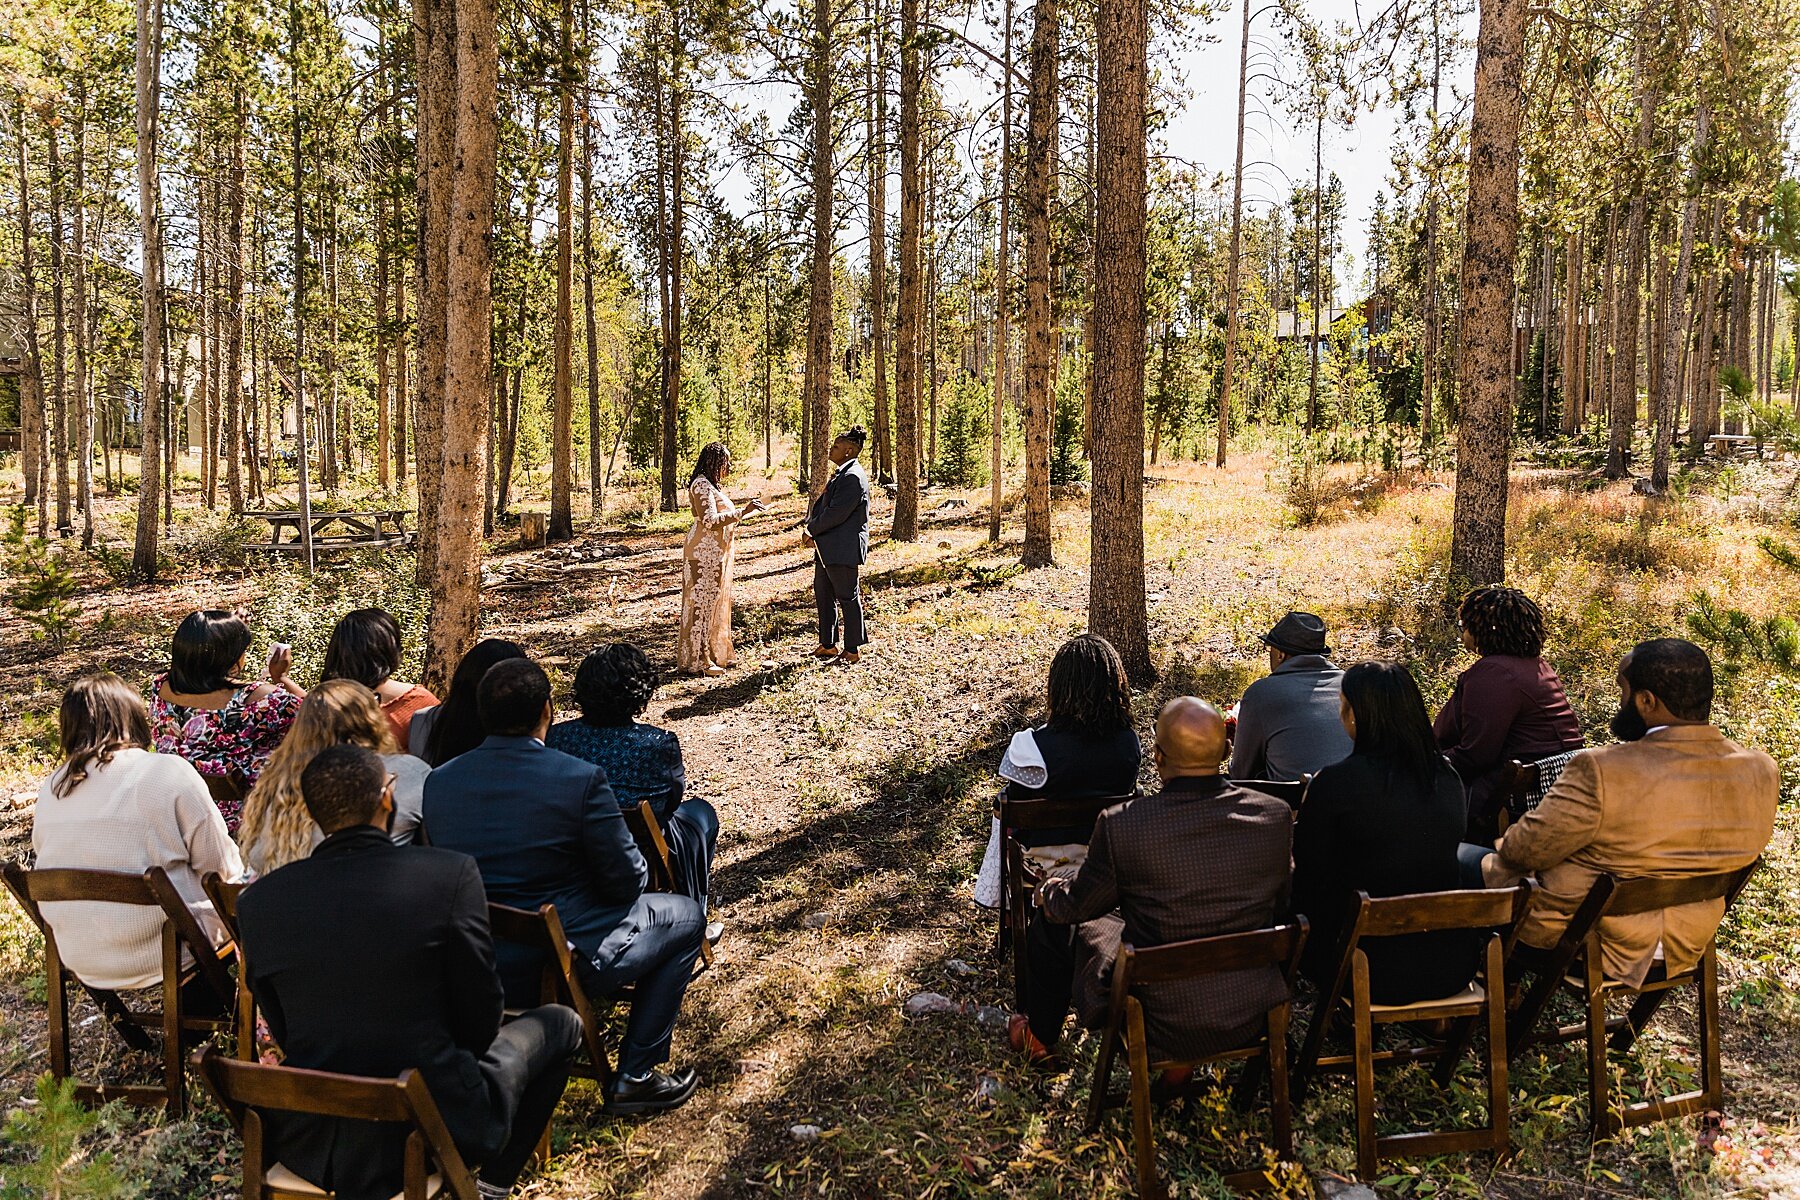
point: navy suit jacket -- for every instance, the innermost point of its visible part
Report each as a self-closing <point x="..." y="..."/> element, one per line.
<point x="839" y="520"/>
<point x="544" y="828"/>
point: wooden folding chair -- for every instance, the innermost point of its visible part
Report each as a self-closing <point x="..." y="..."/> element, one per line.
<point x="647" y="831"/>
<point x="1278" y="947"/>
<point x="1574" y="966"/>
<point x="1498" y="910"/>
<point x="180" y="931"/>
<point x="224" y="897"/>
<point x="542" y="932"/>
<point x="1290" y="791"/>
<point x="1028" y="816"/>
<point x="433" y="1166"/>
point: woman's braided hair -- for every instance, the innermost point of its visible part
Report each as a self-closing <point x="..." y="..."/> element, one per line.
<point x="1089" y="693"/>
<point x="1503" y="620"/>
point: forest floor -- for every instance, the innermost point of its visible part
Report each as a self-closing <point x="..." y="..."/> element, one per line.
<point x="855" y="806"/>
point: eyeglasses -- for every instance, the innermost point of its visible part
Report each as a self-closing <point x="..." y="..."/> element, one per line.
<point x="392" y="779"/>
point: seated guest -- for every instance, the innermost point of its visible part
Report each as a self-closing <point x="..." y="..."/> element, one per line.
<point x="277" y="829"/>
<point x="1508" y="705"/>
<point x="1287" y="723"/>
<point x="613" y="685"/>
<point x="1086" y="748"/>
<point x="114" y="806"/>
<point x="203" y="708"/>
<point x="1676" y="798"/>
<point x="1199" y="858"/>
<point x="545" y="828"/>
<point x="372" y="959"/>
<point x="365" y="646"/>
<point x="1387" y="821"/>
<point x="439" y="734"/>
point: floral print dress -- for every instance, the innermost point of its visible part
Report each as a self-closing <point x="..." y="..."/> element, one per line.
<point x="706" y="564"/>
<point x="234" y="741"/>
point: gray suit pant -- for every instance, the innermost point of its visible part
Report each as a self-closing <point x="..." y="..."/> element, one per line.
<point x="835" y="587"/>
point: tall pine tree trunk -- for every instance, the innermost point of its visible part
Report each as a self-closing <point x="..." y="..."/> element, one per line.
<point x="878" y="170"/>
<point x="32" y="426"/>
<point x="906" y="351"/>
<point x="59" y="339"/>
<point x="1002" y="285"/>
<point x="1234" y="267"/>
<point x="1668" y="372"/>
<point x="468" y="353"/>
<point x="434" y="42"/>
<point x="234" y="311"/>
<point x="1116" y="606"/>
<point x="562" y="434"/>
<point x="1040" y="345"/>
<point x="817" y="409"/>
<point x="1485" y="389"/>
<point x="149" y="98"/>
<point x="84" y="396"/>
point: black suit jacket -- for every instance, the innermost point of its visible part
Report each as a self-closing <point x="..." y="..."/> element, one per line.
<point x="1372" y="826"/>
<point x="839" y="518"/>
<point x="1201" y="857"/>
<point x="370" y="959"/>
<point x="544" y="828"/>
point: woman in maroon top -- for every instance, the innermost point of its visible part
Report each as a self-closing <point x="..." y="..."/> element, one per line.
<point x="1509" y="705"/>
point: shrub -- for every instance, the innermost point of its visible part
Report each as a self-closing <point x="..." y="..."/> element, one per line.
<point x="1066" y="462"/>
<point x="53" y="1161"/>
<point x="1774" y="641"/>
<point x="301" y="610"/>
<point x="41" y="584"/>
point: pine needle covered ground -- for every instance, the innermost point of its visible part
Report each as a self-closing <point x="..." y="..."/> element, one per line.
<point x="855" y="808"/>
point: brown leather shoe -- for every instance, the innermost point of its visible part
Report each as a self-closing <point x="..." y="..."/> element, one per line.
<point x="850" y="658"/>
<point x="826" y="652"/>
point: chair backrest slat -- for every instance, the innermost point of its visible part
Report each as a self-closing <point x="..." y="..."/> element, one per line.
<point x="1051" y="813"/>
<point x="60" y="884"/>
<point x="1633" y="896"/>
<point x="1388" y="916"/>
<point x="1201" y="957"/>
<point x="292" y="1089"/>
<point x="519" y="925"/>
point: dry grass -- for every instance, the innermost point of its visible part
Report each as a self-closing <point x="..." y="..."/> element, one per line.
<point x="861" y="795"/>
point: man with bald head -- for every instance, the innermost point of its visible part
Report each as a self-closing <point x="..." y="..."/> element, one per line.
<point x="1199" y="858"/>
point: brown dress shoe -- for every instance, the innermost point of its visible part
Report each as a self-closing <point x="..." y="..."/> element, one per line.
<point x="826" y="652"/>
<point x="850" y="658"/>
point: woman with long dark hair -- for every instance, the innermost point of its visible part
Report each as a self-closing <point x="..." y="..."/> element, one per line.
<point x="111" y="805"/>
<point x="703" y="645"/>
<point x="205" y="709"/>
<point x="454" y="727"/>
<point x="365" y="648"/>
<point x="1387" y="820"/>
<point x="1509" y="704"/>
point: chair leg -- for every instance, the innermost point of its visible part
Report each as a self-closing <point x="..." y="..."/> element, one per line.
<point x="1600" y="1118"/>
<point x="1522" y="1024"/>
<point x="1317" y="1030"/>
<point x="1281" y="1110"/>
<point x="1149" y="1186"/>
<point x="174" y="1083"/>
<point x="1712" y="1079"/>
<point x="1499" y="1095"/>
<point x="1249" y="1082"/>
<point x="1109" y="1046"/>
<point x="1363" y="1038"/>
<point x="59" y="1015"/>
<point x="1462" y="1031"/>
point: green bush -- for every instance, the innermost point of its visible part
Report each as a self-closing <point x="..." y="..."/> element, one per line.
<point x="41" y="584"/>
<point x="961" y="441"/>
<point x="1067" y="463"/>
<point x="301" y="610"/>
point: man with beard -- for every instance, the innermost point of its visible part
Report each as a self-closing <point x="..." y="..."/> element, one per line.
<point x="1674" y="798"/>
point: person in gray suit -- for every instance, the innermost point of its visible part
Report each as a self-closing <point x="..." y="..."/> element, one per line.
<point x="1288" y="724"/>
<point x="837" y="528"/>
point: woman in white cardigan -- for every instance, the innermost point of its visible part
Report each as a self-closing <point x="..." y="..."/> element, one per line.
<point x="115" y="805"/>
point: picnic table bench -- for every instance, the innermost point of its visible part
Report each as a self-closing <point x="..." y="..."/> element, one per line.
<point x="334" y="530"/>
<point x="1729" y="444"/>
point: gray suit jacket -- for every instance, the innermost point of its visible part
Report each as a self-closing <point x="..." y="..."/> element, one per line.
<point x="1288" y="723"/>
<point x="839" y="520"/>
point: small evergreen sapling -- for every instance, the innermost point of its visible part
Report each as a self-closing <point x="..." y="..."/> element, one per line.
<point x="40" y="586"/>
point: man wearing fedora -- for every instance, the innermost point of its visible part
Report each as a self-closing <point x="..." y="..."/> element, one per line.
<point x="1288" y="724"/>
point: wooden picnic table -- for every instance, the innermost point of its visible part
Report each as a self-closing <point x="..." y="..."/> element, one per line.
<point x="1729" y="444"/>
<point x="335" y="530"/>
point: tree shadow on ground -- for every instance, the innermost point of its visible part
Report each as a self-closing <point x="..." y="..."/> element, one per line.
<point x="724" y="698"/>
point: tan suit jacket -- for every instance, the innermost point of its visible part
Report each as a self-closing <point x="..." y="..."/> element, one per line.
<point x="1684" y="800"/>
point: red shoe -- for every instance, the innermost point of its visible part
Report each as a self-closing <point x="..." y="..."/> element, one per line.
<point x="1018" y="1033"/>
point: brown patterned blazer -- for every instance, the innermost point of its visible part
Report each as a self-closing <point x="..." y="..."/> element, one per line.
<point x="1201" y="857"/>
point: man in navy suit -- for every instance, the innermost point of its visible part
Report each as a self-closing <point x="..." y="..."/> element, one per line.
<point x="544" y="827"/>
<point x="837" y="528"/>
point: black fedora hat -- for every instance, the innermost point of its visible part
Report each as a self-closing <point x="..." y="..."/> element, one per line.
<point x="1298" y="633"/>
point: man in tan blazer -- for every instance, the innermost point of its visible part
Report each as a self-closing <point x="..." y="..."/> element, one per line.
<point x="1674" y="798"/>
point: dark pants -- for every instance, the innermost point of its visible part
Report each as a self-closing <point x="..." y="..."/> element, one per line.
<point x="1469" y="858"/>
<point x="1071" y="965"/>
<point x="660" y="960"/>
<point x="692" y="832"/>
<point x="835" y="587"/>
<point x="526" y="1068"/>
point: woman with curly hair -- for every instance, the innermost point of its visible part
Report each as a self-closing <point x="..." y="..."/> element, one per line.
<point x="613" y="687"/>
<point x="704" y="644"/>
<point x="1509" y="704"/>
<point x="277" y="829"/>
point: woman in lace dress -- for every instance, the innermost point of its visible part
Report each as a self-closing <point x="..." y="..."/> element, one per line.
<point x="704" y="647"/>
